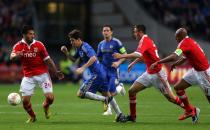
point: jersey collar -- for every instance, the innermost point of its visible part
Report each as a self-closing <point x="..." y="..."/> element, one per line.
<point x="143" y="38"/>
<point x="23" y="41"/>
<point x="184" y="39"/>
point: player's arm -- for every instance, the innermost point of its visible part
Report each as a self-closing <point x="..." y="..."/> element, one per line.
<point x="178" y="62"/>
<point x="133" y="63"/>
<point x="127" y="56"/>
<point x="116" y="64"/>
<point x="68" y="55"/>
<point x="16" y="55"/>
<point x="171" y="58"/>
<point x="54" y="69"/>
<point x="86" y="65"/>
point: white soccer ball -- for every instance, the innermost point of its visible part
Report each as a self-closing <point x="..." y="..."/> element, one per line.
<point x="14" y="99"/>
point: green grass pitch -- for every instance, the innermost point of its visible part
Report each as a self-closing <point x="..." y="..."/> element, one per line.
<point x="72" y="113"/>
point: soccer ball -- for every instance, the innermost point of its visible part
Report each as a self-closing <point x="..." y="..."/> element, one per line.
<point x="14" y="99"/>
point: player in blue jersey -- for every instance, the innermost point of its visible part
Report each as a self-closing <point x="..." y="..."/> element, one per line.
<point x="106" y="49"/>
<point x="98" y="80"/>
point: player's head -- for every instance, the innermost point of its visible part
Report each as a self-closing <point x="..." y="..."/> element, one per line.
<point x="28" y="33"/>
<point x="180" y="34"/>
<point x="75" y="37"/>
<point x="139" y="31"/>
<point x="107" y="32"/>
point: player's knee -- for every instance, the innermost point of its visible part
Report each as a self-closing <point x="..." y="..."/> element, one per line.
<point x="131" y="92"/>
<point x="81" y="95"/>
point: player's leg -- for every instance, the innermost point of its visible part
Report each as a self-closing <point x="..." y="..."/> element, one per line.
<point x="45" y="83"/>
<point x="111" y="100"/>
<point x="89" y="88"/>
<point x="180" y="90"/>
<point x="160" y="82"/>
<point x="120" y="89"/>
<point x="27" y="88"/>
<point x="112" y="92"/>
<point x="134" y="89"/>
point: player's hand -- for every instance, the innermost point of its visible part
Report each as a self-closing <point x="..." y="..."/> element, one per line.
<point x="80" y="70"/>
<point x="117" y="55"/>
<point x="64" y="49"/>
<point x="130" y="66"/>
<point x="59" y="75"/>
<point x="154" y="65"/>
<point x="173" y="66"/>
<point x="115" y="64"/>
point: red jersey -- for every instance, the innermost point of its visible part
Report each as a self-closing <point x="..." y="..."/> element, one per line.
<point x="194" y="54"/>
<point x="148" y="50"/>
<point x="33" y="57"/>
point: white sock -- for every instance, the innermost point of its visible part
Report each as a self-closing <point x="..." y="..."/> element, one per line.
<point x="93" y="96"/>
<point x="118" y="88"/>
<point x="115" y="106"/>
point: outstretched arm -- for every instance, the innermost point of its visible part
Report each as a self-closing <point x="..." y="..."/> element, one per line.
<point x="86" y="65"/>
<point x="178" y="62"/>
<point x="169" y="58"/>
<point x="51" y="64"/>
<point x="127" y="56"/>
<point x="65" y="51"/>
<point x="133" y="63"/>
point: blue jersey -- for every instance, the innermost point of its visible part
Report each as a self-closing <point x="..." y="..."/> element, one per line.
<point x="107" y="48"/>
<point x="85" y="52"/>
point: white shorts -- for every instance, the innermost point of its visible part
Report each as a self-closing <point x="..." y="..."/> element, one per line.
<point x="201" y="78"/>
<point x="158" y="80"/>
<point x="28" y="84"/>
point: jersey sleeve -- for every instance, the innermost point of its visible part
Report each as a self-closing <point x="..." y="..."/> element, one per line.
<point x="44" y="54"/>
<point x="120" y="48"/>
<point x="141" y="49"/>
<point x="180" y="49"/>
<point x="15" y="48"/>
<point x="99" y="53"/>
<point x="88" y="51"/>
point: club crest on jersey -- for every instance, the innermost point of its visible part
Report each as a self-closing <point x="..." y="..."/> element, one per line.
<point x="35" y="49"/>
<point x="81" y="54"/>
<point x="111" y="46"/>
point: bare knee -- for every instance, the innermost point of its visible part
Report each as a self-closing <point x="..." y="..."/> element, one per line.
<point x="131" y="92"/>
<point x="80" y="94"/>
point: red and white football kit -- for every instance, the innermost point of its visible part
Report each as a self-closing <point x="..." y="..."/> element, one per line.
<point x="200" y="73"/>
<point x="35" y="69"/>
<point x="152" y="77"/>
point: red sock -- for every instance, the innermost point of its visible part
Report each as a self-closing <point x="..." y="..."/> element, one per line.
<point x="184" y="99"/>
<point x="179" y="102"/>
<point x="132" y="106"/>
<point x="29" y="109"/>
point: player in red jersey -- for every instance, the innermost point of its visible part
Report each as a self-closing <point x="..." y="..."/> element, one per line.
<point x="34" y="59"/>
<point x="147" y="52"/>
<point x="189" y="50"/>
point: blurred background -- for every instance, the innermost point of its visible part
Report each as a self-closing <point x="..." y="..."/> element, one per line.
<point x="53" y="19"/>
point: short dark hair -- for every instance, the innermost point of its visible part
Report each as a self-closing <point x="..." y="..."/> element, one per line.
<point x="26" y="28"/>
<point x="109" y="26"/>
<point x="76" y="34"/>
<point x="140" y="27"/>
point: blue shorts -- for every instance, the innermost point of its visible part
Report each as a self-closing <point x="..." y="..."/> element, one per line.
<point x="96" y="83"/>
<point x="112" y="77"/>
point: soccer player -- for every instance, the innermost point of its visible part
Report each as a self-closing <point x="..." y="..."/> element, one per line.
<point x="98" y="80"/>
<point x="106" y="49"/>
<point x="189" y="50"/>
<point x="147" y="52"/>
<point x="34" y="59"/>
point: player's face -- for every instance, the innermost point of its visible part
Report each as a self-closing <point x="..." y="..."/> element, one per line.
<point x="178" y="39"/>
<point x="136" y="34"/>
<point x="74" y="42"/>
<point x="107" y="33"/>
<point x="29" y="36"/>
